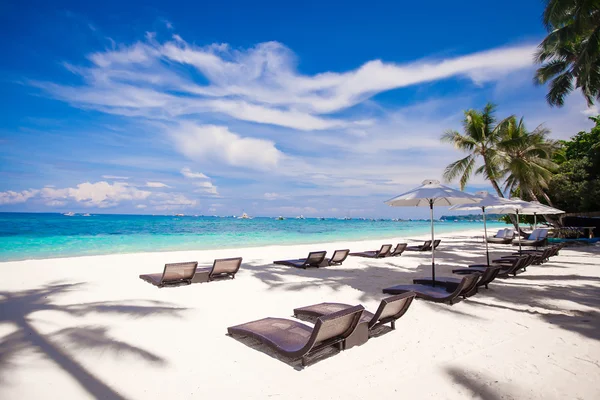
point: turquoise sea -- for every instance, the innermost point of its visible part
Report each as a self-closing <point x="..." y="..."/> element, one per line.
<point x="33" y="236"/>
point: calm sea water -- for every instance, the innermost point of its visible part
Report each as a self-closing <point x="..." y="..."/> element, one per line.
<point x="31" y="236"/>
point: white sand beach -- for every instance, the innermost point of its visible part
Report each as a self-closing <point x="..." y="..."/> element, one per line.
<point x="88" y="327"/>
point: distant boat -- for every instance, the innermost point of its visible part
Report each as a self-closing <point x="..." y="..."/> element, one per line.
<point x="321" y="218"/>
<point x="69" y="214"/>
<point x="245" y="216"/>
<point x="347" y="218"/>
<point x="180" y="215"/>
<point x="86" y="215"/>
<point x="300" y="217"/>
<point x="280" y="218"/>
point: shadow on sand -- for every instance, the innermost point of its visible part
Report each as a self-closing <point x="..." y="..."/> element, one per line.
<point x="17" y="309"/>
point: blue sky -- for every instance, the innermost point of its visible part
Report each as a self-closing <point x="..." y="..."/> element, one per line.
<point x="314" y="109"/>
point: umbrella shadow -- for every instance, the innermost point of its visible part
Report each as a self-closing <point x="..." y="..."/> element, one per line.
<point x="18" y="308"/>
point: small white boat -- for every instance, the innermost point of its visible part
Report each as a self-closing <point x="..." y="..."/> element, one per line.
<point x="180" y="215"/>
<point x="280" y="218"/>
<point x="69" y="214"/>
<point x="245" y="216"/>
<point x="86" y="215"/>
<point x="300" y="217"/>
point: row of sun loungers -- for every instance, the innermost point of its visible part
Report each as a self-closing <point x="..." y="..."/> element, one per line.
<point x="336" y="325"/>
<point x="386" y="250"/>
<point x="186" y="273"/>
<point x="317" y="259"/>
<point x="450" y="289"/>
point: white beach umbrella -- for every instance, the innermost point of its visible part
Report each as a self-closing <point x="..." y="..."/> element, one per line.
<point x="431" y="193"/>
<point x="522" y="207"/>
<point x="488" y="201"/>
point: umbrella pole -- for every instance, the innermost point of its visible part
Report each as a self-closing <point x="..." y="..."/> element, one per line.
<point x="432" y="244"/>
<point x="519" y="232"/>
<point x="487" y="251"/>
<point x="534" y="221"/>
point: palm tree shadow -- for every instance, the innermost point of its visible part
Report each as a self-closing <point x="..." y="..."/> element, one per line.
<point x="18" y="307"/>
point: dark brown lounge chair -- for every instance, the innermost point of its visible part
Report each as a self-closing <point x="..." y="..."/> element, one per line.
<point x="398" y="250"/>
<point x="508" y="266"/>
<point x="488" y="274"/>
<point x="438" y="294"/>
<point x="422" y="247"/>
<point x="390" y="309"/>
<point x="436" y="243"/>
<point x="221" y="269"/>
<point x="296" y="340"/>
<point x="383" y="252"/>
<point x="173" y="274"/>
<point x="314" y="259"/>
<point x="339" y="256"/>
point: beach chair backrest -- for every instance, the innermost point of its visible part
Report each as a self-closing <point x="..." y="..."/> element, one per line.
<point x="339" y="256"/>
<point x="385" y="250"/>
<point x="341" y="323"/>
<point x="534" y="235"/>
<point x="392" y="308"/>
<point x="436" y="243"/>
<point x="179" y="271"/>
<point x="543" y="234"/>
<point x="500" y="234"/>
<point x="316" y="257"/>
<point x="226" y="266"/>
<point x="399" y="249"/>
<point x="426" y="244"/>
<point x="509" y="234"/>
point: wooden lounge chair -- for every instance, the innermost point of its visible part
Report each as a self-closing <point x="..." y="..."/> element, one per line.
<point x="339" y="256"/>
<point x="390" y="309"/>
<point x="439" y="293"/>
<point x="425" y="246"/>
<point x="508" y="266"/>
<point x="436" y="243"/>
<point x="296" y="340"/>
<point x="545" y="254"/>
<point x="224" y="268"/>
<point x="398" y="250"/>
<point x="173" y="274"/>
<point x="383" y="252"/>
<point x="314" y="259"/>
<point x="488" y="274"/>
<point x="504" y="236"/>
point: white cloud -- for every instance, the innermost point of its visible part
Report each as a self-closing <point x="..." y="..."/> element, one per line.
<point x="212" y="142"/>
<point x="206" y="187"/>
<point x="188" y="173"/>
<point x="100" y="194"/>
<point x="274" y="196"/>
<point x="141" y="206"/>
<point x="157" y="185"/>
<point x="115" y="177"/>
<point x="11" y="197"/>
<point x="172" y="201"/>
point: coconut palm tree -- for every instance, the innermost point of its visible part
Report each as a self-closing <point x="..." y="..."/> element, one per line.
<point x="570" y="54"/>
<point x="480" y="138"/>
<point x="526" y="158"/>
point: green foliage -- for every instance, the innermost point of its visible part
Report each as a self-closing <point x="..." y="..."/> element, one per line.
<point x="576" y="185"/>
<point x="570" y="54"/>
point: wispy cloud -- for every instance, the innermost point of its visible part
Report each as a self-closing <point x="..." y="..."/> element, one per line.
<point x="157" y="185"/>
<point x="201" y="182"/>
<point x="188" y="173"/>
<point x="115" y="177"/>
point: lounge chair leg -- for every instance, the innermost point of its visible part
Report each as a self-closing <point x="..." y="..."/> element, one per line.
<point x="486" y="286"/>
<point x="393" y="323"/>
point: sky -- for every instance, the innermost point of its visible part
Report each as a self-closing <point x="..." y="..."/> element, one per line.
<point x="216" y="108"/>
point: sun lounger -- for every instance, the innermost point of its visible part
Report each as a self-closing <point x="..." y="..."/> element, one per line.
<point x="436" y="243"/>
<point x="398" y="250"/>
<point x="504" y="236"/>
<point x="439" y="293"/>
<point x="425" y="246"/>
<point x="545" y="254"/>
<point x="339" y="256"/>
<point x="488" y="274"/>
<point x="314" y="259"/>
<point x="390" y="309"/>
<point x="224" y="268"/>
<point x="296" y="340"/>
<point x="537" y="238"/>
<point x="383" y="252"/>
<point x="173" y="274"/>
<point x="511" y="265"/>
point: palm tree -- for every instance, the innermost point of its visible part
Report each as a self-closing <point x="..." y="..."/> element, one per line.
<point x="526" y="158"/>
<point x="570" y="54"/>
<point x="480" y="138"/>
